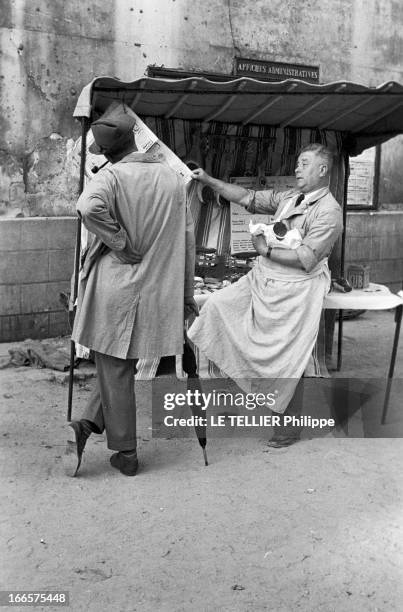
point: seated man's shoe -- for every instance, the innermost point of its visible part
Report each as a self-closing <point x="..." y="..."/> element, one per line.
<point x="127" y="465"/>
<point x="74" y="449"/>
<point x="282" y="441"/>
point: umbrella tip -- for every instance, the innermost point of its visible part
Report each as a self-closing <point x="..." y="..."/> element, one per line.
<point x="205" y="456"/>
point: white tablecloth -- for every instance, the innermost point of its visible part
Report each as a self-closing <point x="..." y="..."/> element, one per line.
<point x="376" y="297"/>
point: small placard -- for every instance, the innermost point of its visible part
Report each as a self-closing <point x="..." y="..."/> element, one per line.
<point x="361" y="179"/>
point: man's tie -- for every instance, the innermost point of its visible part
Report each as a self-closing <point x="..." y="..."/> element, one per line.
<point x="299" y="199"/>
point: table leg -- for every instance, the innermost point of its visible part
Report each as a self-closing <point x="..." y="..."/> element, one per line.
<point x="340" y="342"/>
<point x="398" y="319"/>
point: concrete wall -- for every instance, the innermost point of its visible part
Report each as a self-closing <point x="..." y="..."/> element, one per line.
<point x="50" y="49"/>
<point x="36" y="261"/>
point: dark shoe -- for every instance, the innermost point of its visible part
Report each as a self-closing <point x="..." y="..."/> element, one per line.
<point x="282" y="441"/>
<point x="74" y="449"/>
<point x="126" y="465"/>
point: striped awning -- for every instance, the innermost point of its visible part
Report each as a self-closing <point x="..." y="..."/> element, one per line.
<point x="369" y="115"/>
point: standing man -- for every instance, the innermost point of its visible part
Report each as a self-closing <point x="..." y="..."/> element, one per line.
<point x="264" y="327"/>
<point x="136" y="284"/>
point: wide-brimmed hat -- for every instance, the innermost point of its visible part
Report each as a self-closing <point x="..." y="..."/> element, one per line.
<point x="113" y="131"/>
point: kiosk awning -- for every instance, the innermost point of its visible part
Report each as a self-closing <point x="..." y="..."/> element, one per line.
<point x="367" y="115"/>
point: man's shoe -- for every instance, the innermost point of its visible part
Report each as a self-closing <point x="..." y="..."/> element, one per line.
<point x="282" y="441"/>
<point x="126" y="465"/>
<point x="74" y="449"/>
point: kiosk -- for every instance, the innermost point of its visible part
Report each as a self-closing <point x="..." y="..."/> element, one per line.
<point x="247" y="127"/>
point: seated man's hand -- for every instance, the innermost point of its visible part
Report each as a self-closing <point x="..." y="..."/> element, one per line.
<point x="259" y="243"/>
<point x="191" y="308"/>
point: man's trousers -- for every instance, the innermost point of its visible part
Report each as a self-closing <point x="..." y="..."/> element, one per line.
<point x="112" y="404"/>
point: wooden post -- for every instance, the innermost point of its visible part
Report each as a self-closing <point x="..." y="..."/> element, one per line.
<point x="84" y="129"/>
<point x="342" y="259"/>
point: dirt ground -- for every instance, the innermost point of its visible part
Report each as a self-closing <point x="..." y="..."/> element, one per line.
<point x="314" y="527"/>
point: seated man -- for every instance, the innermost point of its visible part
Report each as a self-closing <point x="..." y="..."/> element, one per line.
<point x="265" y="326"/>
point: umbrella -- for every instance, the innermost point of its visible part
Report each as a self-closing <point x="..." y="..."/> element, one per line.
<point x="190" y="367"/>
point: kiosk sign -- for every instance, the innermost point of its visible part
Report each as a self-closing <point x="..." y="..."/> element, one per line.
<point x="275" y="71"/>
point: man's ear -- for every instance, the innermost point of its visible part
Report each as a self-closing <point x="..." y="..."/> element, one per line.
<point x="323" y="170"/>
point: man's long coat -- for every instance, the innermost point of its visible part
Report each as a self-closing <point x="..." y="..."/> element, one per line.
<point x="137" y="205"/>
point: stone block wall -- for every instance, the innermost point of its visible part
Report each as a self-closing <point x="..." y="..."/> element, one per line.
<point x="36" y="264"/>
<point x="37" y="258"/>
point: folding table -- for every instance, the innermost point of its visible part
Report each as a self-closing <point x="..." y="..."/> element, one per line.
<point x="375" y="297"/>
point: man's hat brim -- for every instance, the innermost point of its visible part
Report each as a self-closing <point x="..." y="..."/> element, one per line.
<point x="95" y="149"/>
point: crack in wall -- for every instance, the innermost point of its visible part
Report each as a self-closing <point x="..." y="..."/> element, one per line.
<point x="69" y="36"/>
<point x="236" y="48"/>
<point x="36" y="87"/>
